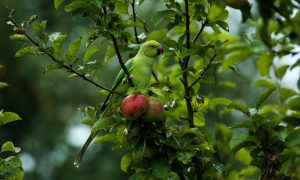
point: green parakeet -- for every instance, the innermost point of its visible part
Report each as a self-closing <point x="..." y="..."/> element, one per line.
<point x="140" y="69"/>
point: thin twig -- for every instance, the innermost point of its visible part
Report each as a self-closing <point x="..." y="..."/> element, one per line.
<point x="117" y="50"/>
<point x="61" y="62"/>
<point x="200" y="31"/>
<point x="128" y="77"/>
<point x="184" y="65"/>
<point x="134" y="20"/>
<point x="155" y="77"/>
<point x="203" y="72"/>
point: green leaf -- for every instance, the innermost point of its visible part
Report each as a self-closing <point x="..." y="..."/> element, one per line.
<point x="285" y="93"/>
<point x="109" y="53"/>
<point x="280" y="72"/>
<point x="106" y="138"/>
<point x="161" y="15"/>
<point x="57" y="3"/>
<point x="8" y="117"/>
<point x="297" y="63"/>
<point x="264" y="63"/>
<point x="125" y="162"/>
<point x="156" y="35"/>
<point x="185" y="156"/>
<point x="298" y="84"/>
<point x="235" y="57"/>
<point x="57" y="39"/>
<point x="74" y="46"/>
<point x="264" y="96"/>
<point x="219" y="101"/>
<point x="100" y="124"/>
<point x="245" y="124"/>
<point x="52" y="67"/>
<point x="240" y="107"/>
<point x="240" y="141"/>
<point x="223" y="25"/>
<point x="293" y="103"/>
<point x="9" y="146"/>
<point x="89" y="53"/>
<point x="199" y="119"/>
<point x="29" y="50"/>
<point x="19" y="37"/>
<point x="137" y="176"/>
<point x="39" y="30"/>
<point x="3" y="85"/>
<point x="76" y="6"/>
<point x="161" y="168"/>
<point x="267" y="83"/>
<point x="217" y="13"/>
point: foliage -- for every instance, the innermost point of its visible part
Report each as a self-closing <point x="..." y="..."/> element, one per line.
<point x="11" y="166"/>
<point x="190" y="143"/>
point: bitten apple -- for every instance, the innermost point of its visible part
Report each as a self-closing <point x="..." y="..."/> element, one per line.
<point x="134" y="106"/>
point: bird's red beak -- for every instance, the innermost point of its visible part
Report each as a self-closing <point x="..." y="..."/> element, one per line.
<point x="160" y="50"/>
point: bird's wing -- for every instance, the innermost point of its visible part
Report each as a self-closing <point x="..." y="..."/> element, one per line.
<point x="121" y="75"/>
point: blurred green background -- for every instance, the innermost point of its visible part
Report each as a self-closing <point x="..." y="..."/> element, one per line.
<point x="50" y="133"/>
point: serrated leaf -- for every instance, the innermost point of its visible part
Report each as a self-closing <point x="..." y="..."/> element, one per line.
<point x="161" y="168"/>
<point x="161" y="15"/>
<point x="29" y="50"/>
<point x="3" y="85"/>
<point x="74" y="46"/>
<point x="19" y="37"/>
<point x="9" y="146"/>
<point x="57" y="3"/>
<point x="57" y="39"/>
<point x="7" y="117"/>
<point x="280" y="72"/>
<point x="89" y="53"/>
<point x="39" y="30"/>
<point x="156" y="35"/>
<point x="240" y="141"/>
<point x="106" y="138"/>
<point x="264" y="96"/>
<point x="263" y="64"/>
<point x="185" y="156"/>
<point x="125" y="162"/>
<point x="199" y="119"/>
<point x="240" y="107"/>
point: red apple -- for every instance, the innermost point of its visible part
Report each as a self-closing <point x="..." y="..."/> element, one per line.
<point x="155" y="111"/>
<point x="134" y="106"/>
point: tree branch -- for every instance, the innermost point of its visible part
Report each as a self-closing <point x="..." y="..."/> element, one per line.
<point x="116" y="47"/>
<point x="134" y="20"/>
<point x="203" y="72"/>
<point x="184" y="65"/>
<point x="60" y="62"/>
<point x="200" y="31"/>
<point x="128" y="77"/>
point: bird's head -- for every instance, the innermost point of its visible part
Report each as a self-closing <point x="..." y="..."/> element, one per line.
<point x="151" y="48"/>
